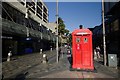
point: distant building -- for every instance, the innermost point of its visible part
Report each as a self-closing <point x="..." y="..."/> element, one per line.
<point x="52" y="26"/>
<point x="91" y="29"/>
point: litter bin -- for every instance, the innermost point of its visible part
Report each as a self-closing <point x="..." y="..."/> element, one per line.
<point x="112" y="60"/>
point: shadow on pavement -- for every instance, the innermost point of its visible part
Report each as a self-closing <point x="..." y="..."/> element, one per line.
<point x="21" y="76"/>
<point x="101" y="62"/>
<point x="70" y="61"/>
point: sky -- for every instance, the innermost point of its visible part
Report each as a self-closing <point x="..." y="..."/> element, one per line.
<point x="74" y="14"/>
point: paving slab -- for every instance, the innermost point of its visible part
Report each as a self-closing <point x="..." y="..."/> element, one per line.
<point x="30" y="66"/>
<point x="61" y="70"/>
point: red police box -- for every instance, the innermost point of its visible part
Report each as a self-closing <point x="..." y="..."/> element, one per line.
<point x="82" y="49"/>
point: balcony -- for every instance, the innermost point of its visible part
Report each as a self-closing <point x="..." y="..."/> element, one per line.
<point x="13" y="28"/>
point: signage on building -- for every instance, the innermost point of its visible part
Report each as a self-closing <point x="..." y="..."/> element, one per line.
<point x="81" y="33"/>
<point x="6" y="37"/>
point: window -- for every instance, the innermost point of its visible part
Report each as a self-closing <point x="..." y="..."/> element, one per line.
<point x="77" y="40"/>
<point x="85" y="39"/>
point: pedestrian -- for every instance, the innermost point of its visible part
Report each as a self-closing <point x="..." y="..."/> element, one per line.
<point x="98" y="51"/>
<point x="95" y="54"/>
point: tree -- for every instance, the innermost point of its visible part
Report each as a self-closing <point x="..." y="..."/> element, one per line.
<point x="66" y="32"/>
<point x="61" y="27"/>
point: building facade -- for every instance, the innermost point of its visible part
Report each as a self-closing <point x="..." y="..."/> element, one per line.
<point x="112" y="16"/>
<point x="112" y="29"/>
<point x="25" y="27"/>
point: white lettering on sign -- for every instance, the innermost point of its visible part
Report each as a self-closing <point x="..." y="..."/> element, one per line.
<point x="81" y="33"/>
<point x="6" y="37"/>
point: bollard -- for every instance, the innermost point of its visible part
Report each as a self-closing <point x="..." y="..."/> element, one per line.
<point x="44" y="58"/>
<point x="50" y="49"/>
<point x="9" y="55"/>
<point x="40" y="51"/>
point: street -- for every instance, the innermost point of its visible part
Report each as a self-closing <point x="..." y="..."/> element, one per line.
<point x="31" y="66"/>
<point x="43" y="39"/>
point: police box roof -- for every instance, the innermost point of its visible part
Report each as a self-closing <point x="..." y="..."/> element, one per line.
<point x="81" y="32"/>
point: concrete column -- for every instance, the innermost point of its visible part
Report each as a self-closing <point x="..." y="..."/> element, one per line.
<point x="42" y="12"/>
<point x="35" y="7"/>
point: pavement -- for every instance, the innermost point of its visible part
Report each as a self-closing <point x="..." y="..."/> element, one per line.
<point x="31" y="66"/>
<point x="20" y="64"/>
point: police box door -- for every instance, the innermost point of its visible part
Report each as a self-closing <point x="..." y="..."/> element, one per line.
<point x="82" y="50"/>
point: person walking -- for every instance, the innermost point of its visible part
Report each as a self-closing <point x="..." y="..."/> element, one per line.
<point x="98" y="51"/>
<point x="95" y="54"/>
